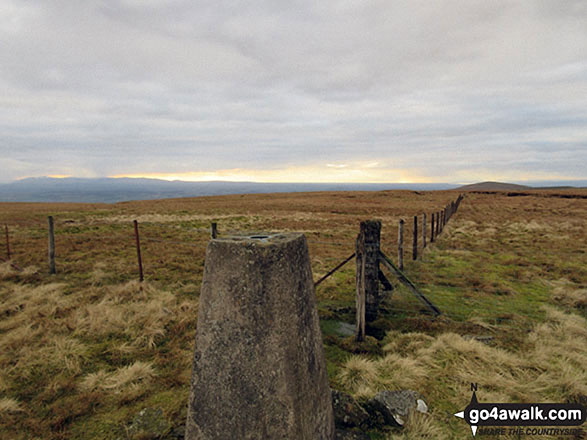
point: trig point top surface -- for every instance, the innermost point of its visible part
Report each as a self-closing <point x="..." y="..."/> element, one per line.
<point x="261" y="238"/>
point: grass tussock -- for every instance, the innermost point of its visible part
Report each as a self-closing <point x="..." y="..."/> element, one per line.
<point x="564" y="294"/>
<point x="548" y="367"/>
<point x="116" y="381"/>
<point x="138" y="311"/>
<point x="8" y="405"/>
<point x="358" y="372"/>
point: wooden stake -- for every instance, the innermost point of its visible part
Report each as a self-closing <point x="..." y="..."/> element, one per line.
<point x="360" y="298"/>
<point x="400" y="245"/>
<point x="7" y="242"/>
<point x="214" y="232"/>
<point x="51" y="246"/>
<point x="136" y="224"/>
<point x="432" y="229"/>
<point x="415" y="241"/>
<point x="423" y="230"/>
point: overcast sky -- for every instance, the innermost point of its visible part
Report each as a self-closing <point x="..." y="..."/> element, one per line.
<point x="376" y="91"/>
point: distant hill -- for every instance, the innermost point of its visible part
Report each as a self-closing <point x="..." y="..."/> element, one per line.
<point x="494" y="186"/>
<point x="111" y="190"/>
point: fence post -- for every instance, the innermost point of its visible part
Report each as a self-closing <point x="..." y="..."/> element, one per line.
<point x="214" y="230"/>
<point x="432" y="228"/>
<point x="437" y="224"/>
<point x="400" y="245"/>
<point x="51" y="246"/>
<point x="7" y="243"/>
<point x="423" y="230"/>
<point x="360" y="285"/>
<point x="415" y="244"/>
<point x="136" y="224"/>
<point x="368" y="243"/>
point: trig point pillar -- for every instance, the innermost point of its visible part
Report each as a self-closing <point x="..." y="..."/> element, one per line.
<point x="259" y="370"/>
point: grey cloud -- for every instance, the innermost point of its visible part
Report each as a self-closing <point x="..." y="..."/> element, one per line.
<point x="129" y="86"/>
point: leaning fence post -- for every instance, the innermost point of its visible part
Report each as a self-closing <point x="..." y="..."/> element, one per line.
<point x="423" y="231"/>
<point x="136" y="224"/>
<point x="432" y="229"/>
<point x="214" y="230"/>
<point x="7" y="243"/>
<point x="400" y="245"/>
<point x="51" y="246"/>
<point x="442" y="218"/>
<point x="415" y="244"/>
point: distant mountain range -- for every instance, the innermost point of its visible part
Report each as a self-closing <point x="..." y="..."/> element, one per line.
<point x="111" y="190"/>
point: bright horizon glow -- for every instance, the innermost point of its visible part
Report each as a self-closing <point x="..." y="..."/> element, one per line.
<point x="345" y="173"/>
<point x="330" y="174"/>
<point x="357" y="172"/>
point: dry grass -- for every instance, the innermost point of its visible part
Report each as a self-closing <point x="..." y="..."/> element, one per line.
<point x="564" y="294"/>
<point x="132" y="375"/>
<point x="358" y="372"/>
<point x="83" y="351"/>
<point x="549" y="366"/>
<point x="422" y="427"/>
<point x="8" y="405"/>
<point x="136" y="310"/>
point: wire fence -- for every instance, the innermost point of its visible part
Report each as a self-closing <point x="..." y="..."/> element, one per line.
<point x="175" y="248"/>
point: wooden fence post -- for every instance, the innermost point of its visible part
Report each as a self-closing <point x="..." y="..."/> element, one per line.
<point x="367" y="253"/>
<point x="400" y="245"/>
<point x="214" y="230"/>
<point x="423" y="230"/>
<point x="432" y="229"/>
<point x="437" y="224"/>
<point x="415" y="240"/>
<point x="51" y="246"/>
<point x="360" y="283"/>
<point x="136" y="224"/>
<point x="7" y="243"/>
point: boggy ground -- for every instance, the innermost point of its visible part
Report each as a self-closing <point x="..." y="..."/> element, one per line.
<point x="82" y="352"/>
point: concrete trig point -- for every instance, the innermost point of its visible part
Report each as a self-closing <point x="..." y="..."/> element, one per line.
<point x="259" y="369"/>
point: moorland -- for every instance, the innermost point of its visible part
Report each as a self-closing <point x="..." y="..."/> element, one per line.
<point x="84" y="351"/>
